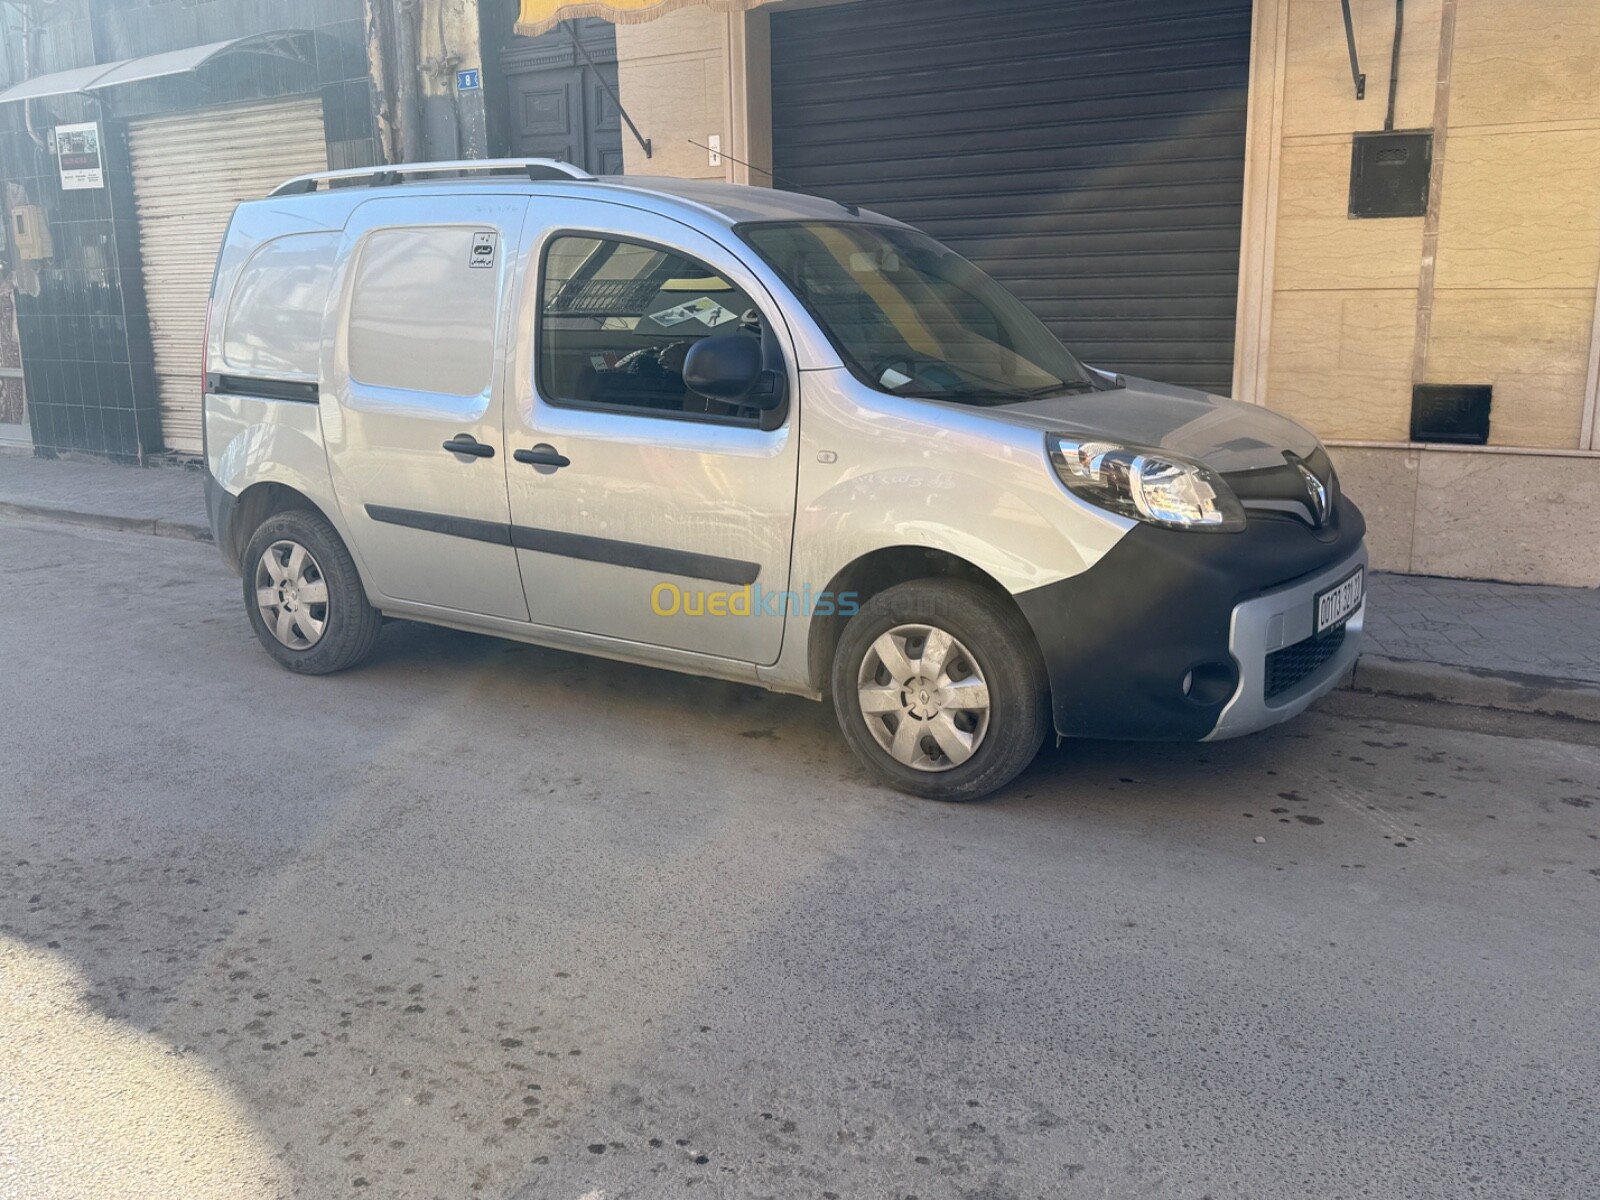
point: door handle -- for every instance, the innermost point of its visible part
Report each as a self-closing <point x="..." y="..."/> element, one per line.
<point x="542" y="455"/>
<point x="465" y="443"/>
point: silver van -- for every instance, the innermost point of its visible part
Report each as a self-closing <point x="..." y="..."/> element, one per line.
<point x="755" y="436"/>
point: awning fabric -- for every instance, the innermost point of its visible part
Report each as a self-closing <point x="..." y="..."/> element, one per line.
<point x="285" y="43"/>
<point x="541" y="16"/>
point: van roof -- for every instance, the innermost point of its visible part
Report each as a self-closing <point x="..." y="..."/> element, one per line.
<point x="732" y="203"/>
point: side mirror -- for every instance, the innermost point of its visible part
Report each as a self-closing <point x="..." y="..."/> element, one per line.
<point x="731" y="368"/>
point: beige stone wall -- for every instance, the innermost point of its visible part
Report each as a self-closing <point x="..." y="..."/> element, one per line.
<point x="672" y="75"/>
<point x="1524" y="517"/>
<point x="1498" y="285"/>
<point x="1519" y="231"/>
<point x="1511" y="299"/>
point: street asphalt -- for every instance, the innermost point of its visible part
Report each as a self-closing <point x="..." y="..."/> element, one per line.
<point x="480" y="919"/>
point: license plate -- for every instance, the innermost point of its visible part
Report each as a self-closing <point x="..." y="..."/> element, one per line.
<point x="1339" y="601"/>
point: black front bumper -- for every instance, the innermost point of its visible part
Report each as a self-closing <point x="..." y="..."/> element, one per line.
<point x="1119" y="638"/>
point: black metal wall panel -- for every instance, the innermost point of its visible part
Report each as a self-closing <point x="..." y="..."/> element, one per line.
<point x="1087" y="153"/>
<point x="84" y="331"/>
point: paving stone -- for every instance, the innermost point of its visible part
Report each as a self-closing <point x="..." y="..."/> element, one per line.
<point x="1527" y="629"/>
<point x="174" y="496"/>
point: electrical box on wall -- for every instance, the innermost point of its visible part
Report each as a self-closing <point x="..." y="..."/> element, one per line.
<point x="1457" y="413"/>
<point x="1389" y="174"/>
<point x="30" y="233"/>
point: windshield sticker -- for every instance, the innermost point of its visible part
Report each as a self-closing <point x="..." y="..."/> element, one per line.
<point x="883" y="262"/>
<point x="705" y="310"/>
<point x="893" y="379"/>
<point x="483" y="248"/>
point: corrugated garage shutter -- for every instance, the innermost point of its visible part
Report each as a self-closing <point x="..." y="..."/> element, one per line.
<point x="189" y="170"/>
<point x="1088" y="153"/>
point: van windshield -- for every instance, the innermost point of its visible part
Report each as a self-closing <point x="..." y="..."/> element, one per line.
<point x="913" y="318"/>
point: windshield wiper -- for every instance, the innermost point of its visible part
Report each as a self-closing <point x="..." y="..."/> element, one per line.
<point x="989" y="391"/>
<point x="1065" y="388"/>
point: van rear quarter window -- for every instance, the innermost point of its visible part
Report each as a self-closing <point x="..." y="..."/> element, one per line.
<point x="273" y="325"/>
<point x="422" y="315"/>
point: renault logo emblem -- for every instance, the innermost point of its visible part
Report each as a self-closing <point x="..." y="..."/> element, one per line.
<point x="1318" y="494"/>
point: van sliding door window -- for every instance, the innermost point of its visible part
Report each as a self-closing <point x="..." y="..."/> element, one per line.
<point x="422" y="316"/>
<point x="618" y="318"/>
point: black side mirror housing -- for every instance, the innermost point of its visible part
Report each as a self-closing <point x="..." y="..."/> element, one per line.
<point x="732" y="368"/>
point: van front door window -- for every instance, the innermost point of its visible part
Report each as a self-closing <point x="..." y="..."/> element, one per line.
<point x="618" y="318"/>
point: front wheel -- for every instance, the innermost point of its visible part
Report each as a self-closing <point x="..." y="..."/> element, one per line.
<point x="304" y="596"/>
<point x="940" y="690"/>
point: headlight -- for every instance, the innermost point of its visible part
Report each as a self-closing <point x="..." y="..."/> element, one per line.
<point x="1147" y="485"/>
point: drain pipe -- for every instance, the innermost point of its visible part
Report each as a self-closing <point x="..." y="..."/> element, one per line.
<point x="30" y="46"/>
<point x="407" y="60"/>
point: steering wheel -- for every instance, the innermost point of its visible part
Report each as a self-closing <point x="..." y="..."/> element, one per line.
<point x="649" y="359"/>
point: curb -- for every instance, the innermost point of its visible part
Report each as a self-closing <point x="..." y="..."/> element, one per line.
<point x="1476" y="687"/>
<point x="152" y="526"/>
<point x="1373" y="675"/>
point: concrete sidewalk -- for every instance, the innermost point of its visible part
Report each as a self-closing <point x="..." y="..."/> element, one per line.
<point x="1491" y="645"/>
<point x="1523" y="647"/>
<point x="166" y="501"/>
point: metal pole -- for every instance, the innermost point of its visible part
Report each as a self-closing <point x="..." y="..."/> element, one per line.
<point x="645" y="143"/>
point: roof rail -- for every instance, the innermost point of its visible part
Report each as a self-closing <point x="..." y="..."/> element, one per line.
<point x="536" y="169"/>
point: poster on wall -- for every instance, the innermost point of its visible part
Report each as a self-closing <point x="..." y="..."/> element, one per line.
<point x="78" y="151"/>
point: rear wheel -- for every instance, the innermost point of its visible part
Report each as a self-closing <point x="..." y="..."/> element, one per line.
<point x="939" y="689"/>
<point x="304" y="596"/>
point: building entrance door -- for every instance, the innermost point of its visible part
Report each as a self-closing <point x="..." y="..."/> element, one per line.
<point x="558" y="105"/>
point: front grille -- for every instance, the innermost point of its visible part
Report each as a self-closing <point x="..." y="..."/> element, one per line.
<point x="1293" y="664"/>
<point x="1286" y="489"/>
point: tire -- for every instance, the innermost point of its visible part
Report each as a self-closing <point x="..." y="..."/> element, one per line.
<point x="913" y="736"/>
<point x="310" y="575"/>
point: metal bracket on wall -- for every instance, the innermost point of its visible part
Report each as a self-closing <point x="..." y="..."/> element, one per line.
<point x="644" y="142"/>
<point x="1355" y="62"/>
<point x="1394" y="60"/>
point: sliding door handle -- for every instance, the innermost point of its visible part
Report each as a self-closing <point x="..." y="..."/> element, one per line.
<point x="465" y="443"/>
<point x="542" y="455"/>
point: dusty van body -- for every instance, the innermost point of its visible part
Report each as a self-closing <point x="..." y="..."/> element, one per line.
<point x="757" y="436"/>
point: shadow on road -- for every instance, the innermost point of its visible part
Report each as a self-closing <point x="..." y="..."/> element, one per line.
<point x="484" y="919"/>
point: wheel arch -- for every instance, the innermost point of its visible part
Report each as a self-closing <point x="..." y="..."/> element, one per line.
<point x="877" y="571"/>
<point x="254" y="505"/>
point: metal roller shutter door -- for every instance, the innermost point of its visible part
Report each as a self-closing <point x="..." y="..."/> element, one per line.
<point x="189" y="170"/>
<point x="1087" y="153"/>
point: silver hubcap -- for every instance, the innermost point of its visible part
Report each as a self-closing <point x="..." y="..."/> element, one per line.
<point x="923" y="697"/>
<point x="292" y="595"/>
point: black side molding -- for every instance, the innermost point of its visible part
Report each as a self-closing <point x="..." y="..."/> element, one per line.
<point x="300" y="392"/>
<point x="461" y="527"/>
<point x="657" y="559"/>
<point x="633" y="554"/>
